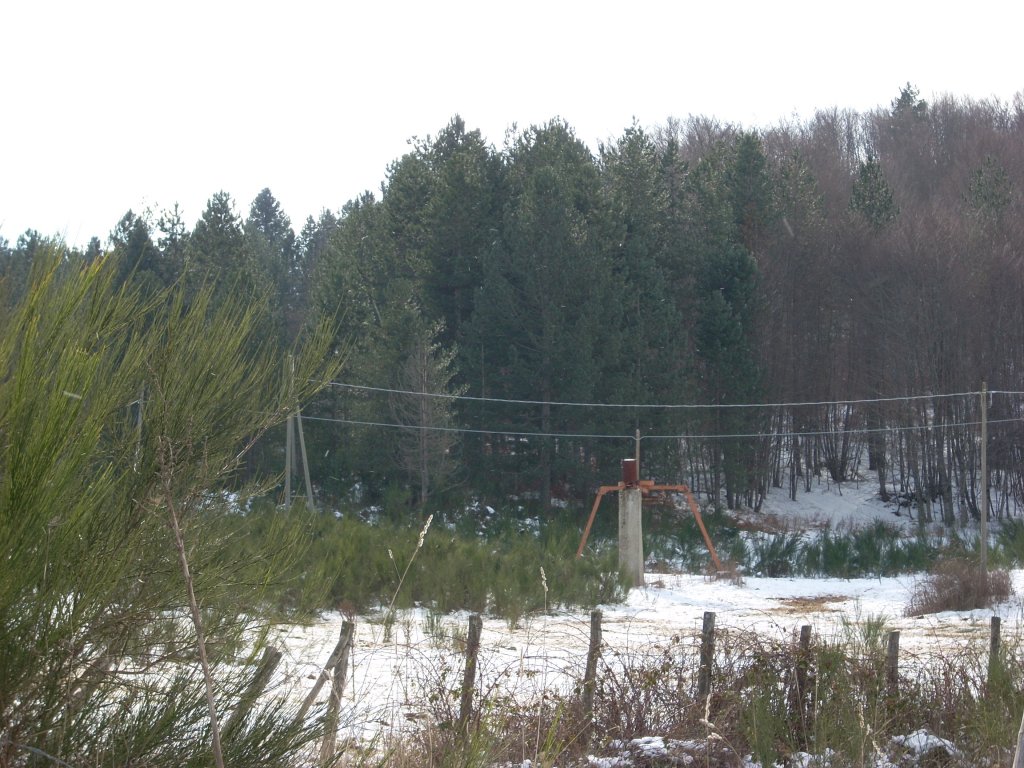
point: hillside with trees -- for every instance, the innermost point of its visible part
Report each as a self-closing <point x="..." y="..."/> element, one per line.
<point x="856" y="275"/>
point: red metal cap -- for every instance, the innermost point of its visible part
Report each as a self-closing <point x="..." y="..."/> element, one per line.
<point x="630" y="472"/>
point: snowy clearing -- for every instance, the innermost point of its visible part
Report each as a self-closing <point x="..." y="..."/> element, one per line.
<point x="394" y="672"/>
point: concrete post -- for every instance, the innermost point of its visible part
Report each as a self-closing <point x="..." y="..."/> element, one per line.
<point x="631" y="539"/>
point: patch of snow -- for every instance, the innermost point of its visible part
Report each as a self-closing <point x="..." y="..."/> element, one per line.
<point x="609" y="762"/>
<point x="921" y="742"/>
<point x="650" y="746"/>
<point x="852" y="504"/>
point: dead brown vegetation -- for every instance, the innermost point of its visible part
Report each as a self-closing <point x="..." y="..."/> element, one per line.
<point x="958" y="585"/>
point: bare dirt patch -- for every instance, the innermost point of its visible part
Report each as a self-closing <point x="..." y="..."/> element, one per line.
<point x="817" y="604"/>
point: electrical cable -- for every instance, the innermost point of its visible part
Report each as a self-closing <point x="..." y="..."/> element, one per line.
<point x="685" y="436"/>
<point x="428" y="428"/>
<point x="663" y="406"/>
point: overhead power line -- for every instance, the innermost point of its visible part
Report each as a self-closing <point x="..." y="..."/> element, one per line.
<point x="661" y="406"/>
<point x="683" y="436"/>
<point x="466" y="430"/>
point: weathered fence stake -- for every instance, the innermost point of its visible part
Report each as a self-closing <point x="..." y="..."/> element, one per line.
<point x="268" y="663"/>
<point x="347" y="631"/>
<point x="337" y="688"/>
<point x="993" y="647"/>
<point x="469" y="676"/>
<point x="802" y="666"/>
<point x="590" y="676"/>
<point x="707" y="654"/>
<point x="892" y="663"/>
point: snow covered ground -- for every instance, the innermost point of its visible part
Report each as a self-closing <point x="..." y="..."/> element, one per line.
<point x="389" y="676"/>
<point x="393" y="673"/>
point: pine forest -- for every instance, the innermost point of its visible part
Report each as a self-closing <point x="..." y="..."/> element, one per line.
<point x="763" y="307"/>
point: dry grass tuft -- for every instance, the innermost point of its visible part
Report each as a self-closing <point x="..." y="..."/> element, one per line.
<point x="957" y="585"/>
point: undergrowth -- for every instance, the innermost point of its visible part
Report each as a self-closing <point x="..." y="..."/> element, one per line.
<point x="361" y="563"/>
<point x="494" y="568"/>
<point x="876" y="550"/>
<point x="771" y="699"/>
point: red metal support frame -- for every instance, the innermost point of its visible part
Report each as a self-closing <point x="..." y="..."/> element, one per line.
<point x="645" y="486"/>
<point x="593" y="512"/>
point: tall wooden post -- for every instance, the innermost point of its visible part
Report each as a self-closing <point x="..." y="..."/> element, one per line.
<point x="984" y="478"/>
<point x="305" y="460"/>
<point x="289" y="441"/>
<point x="293" y="424"/>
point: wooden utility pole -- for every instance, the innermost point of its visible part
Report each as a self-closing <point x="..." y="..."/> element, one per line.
<point x="292" y="424"/>
<point x="984" y="478"/>
<point x="305" y="460"/>
<point x="289" y="440"/>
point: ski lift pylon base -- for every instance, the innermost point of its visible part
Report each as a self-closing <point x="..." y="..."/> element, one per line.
<point x="646" y="486"/>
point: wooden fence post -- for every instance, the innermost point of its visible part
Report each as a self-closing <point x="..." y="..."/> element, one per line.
<point x="590" y="676"/>
<point x="707" y="655"/>
<point x="268" y="663"/>
<point x="892" y="663"/>
<point x="803" y="663"/>
<point x="469" y="676"/>
<point x="347" y="631"/>
<point x="337" y="688"/>
<point x="993" y="648"/>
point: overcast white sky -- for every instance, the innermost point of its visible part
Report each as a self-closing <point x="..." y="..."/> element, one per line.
<point x="106" y="106"/>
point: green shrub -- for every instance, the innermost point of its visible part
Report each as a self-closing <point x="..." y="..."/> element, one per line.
<point x="499" y="574"/>
<point x="775" y="554"/>
<point x="123" y="560"/>
<point x="879" y="549"/>
<point x="677" y="539"/>
<point x="1009" y="550"/>
<point x="828" y="554"/>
